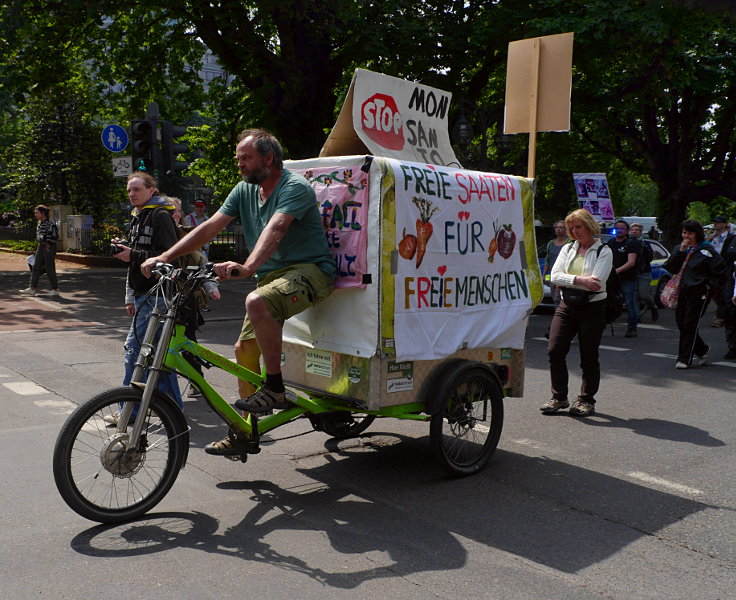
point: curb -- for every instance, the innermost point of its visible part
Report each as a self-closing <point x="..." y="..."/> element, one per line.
<point x="80" y="259"/>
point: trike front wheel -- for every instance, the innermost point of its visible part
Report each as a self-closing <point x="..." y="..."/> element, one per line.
<point x="465" y="431"/>
<point x="99" y="476"/>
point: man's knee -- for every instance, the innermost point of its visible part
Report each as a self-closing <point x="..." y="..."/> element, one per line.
<point x="245" y="347"/>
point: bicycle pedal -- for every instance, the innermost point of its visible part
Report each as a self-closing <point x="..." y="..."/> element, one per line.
<point x="240" y="457"/>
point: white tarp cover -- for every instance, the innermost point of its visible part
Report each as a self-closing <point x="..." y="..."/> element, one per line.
<point x="347" y="321"/>
<point x="459" y="281"/>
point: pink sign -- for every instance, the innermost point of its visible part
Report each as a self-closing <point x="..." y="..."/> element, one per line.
<point x="342" y="195"/>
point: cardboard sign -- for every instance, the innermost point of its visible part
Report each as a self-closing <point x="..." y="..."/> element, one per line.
<point x="391" y="117"/>
<point x="460" y="277"/>
<point x="538" y="84"/>
<point x="593" y="195"/>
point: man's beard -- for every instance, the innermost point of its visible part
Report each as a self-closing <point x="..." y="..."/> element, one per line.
<point x="257" y="177"/>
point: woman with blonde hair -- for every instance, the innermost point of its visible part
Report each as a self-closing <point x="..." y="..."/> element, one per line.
<point x="581" y="270"/>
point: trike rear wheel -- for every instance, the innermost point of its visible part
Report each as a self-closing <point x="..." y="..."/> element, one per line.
<point x="464" y="433"/>
<point x="103" y="480"/>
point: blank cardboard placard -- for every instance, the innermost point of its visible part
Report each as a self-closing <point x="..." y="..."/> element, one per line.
<point x="538" y="84"/>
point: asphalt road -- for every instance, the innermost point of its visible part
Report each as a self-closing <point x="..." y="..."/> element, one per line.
<point x="635" y="502"/>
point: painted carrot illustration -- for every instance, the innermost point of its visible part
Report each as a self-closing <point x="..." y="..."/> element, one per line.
<point x="424" y="227"/>
<point x="493" y="244"/>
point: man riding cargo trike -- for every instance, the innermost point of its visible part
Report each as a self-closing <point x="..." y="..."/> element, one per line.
<point x="436" y="276"/>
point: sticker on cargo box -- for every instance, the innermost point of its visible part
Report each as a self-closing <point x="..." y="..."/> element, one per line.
<point x="505" y="353"/>
<point x="354" y="375"/>
<point x="319" y="363"/>
<point x="400" y="377"/>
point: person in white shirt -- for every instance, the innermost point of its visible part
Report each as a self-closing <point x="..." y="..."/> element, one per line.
<point x="721" y="239"/>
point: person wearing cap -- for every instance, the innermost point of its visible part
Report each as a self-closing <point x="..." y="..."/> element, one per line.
<point x="197" y="218"/>
<point x="721" y="239"/>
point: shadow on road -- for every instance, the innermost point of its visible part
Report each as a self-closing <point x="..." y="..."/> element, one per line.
<point x="392" y="500"/>
<point x="657" y="428"/>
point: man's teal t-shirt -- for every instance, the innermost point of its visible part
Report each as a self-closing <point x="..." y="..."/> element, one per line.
<point x="304" y="241"/>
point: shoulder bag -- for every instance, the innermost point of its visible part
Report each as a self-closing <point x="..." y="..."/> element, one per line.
<point x="671" y="292"/>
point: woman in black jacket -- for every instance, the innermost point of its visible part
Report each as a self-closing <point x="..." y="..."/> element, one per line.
<point x="704" y="274"/>
<point x="47" y="233"/>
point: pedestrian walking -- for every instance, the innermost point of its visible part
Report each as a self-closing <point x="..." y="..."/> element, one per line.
<point x="580" y="270"/>
<point x="626" y="252"/>
<point x="703" y="275"/>
<point x="47" y="234"/>
<point x="197" y="218"/>
<point x="196" y="303"/>
<point x="152" y="230"/>
<point x="721" y="240"/>
<point x="644" y="272"/>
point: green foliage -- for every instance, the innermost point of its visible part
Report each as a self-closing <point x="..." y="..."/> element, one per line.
<point x="20" y="245"/>
<point x="70" y="167"/>
<point x="653" y="94"/>
<point x="700" y="212"/>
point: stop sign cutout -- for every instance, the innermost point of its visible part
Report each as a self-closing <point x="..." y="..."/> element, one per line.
<point x="381" y="121"/>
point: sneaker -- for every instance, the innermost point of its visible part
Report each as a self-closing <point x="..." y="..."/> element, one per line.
<point x="194" y="393"/>
<point x="682" y="365"/>
<point x="223" y="447"/>
<point x="29" y="291"/>
<point x="731" y="354"/>
<point x="717" y="323"/>
<point x="112" y="419"/>
<point x="630" y="332"/>
<point x="703" y="360"/>
<point x="552" y="406"/>
<point x="581" y="408"/>
<point x="262" y="401"/>
<point x="54" y="293"/>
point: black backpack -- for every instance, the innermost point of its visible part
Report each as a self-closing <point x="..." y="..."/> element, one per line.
<point x="645" y="257"/>
<point x="614" y="299"/>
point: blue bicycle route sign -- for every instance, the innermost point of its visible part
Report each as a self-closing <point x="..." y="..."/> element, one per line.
<point x="114" y="138"/>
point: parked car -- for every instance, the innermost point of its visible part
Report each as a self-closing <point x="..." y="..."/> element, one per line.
<point x="660" y="277"/>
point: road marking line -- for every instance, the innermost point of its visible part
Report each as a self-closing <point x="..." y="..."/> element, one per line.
<point x="665" y="483"/>
<point x="660" y="355"/>
<point x="724" y="364"/>
<point x="614" y="348"/>
<point x="61" y="407"/>
<point x="25" y="388"/>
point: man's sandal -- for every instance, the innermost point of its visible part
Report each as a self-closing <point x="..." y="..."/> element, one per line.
<point x="263" y="401"/>
<point x="224" y="447"/>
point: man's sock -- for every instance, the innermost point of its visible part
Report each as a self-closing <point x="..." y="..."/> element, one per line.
<point x="275" y="382"/>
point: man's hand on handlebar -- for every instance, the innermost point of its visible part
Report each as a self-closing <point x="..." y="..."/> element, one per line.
<point x="230" y="270"/>
<point x="150" y="263"/>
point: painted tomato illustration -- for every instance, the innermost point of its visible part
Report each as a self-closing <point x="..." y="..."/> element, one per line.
<point x="407" y="245"/>
<point x="506" y="239"/>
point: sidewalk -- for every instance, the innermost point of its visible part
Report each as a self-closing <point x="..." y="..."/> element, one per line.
<point x="90" y="296"/>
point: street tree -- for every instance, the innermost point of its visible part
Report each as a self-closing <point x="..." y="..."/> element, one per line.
<point x="654" y="89"/>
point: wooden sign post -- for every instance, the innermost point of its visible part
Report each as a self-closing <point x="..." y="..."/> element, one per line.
<point x="538" y="85"/>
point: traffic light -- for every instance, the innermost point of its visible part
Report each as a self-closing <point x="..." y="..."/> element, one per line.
<point x="144" y="144"/>
<point x="170" y="148"/>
